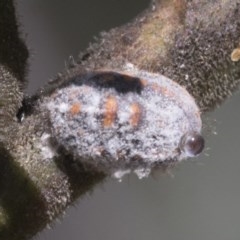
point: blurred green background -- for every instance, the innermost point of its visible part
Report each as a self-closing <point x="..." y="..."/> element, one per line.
<point x="199" y="200"/>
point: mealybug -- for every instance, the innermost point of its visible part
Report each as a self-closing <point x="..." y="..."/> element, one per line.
<point x="121" y="122"/>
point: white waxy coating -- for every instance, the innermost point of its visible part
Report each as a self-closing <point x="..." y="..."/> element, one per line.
<point x="125" y="122"/>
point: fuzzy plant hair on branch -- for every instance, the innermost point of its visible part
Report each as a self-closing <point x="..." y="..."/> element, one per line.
<point x="13" y="64"/>
<point x="132" y="102"/>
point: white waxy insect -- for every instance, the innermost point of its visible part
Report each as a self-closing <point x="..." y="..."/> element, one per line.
<point x="121" y="122"/>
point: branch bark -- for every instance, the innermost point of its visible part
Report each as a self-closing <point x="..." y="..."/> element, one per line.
<point x="190" y="42"/>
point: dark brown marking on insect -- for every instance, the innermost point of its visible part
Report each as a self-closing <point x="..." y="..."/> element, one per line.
<point x="75" y="108"/>
<point x="136" y="114"/>
<point x="110" y="111"/>
<point x="122" y="83"/>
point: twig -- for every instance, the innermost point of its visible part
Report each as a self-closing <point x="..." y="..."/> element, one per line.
<point x="191" y="42"/>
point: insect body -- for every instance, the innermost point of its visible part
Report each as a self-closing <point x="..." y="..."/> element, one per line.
<point x="122" y="122"/>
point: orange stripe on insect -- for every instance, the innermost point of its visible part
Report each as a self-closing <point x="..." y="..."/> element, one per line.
<point x="110" y="112"/>
<point x="144" y="82"/>
<point x="135" y="114"/>
<point x="163" y="90"/>
<point x="75" y="108"/>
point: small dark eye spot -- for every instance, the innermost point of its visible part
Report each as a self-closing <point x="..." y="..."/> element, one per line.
<point x="192" y="144"/>
<point x="27" y="108"/>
